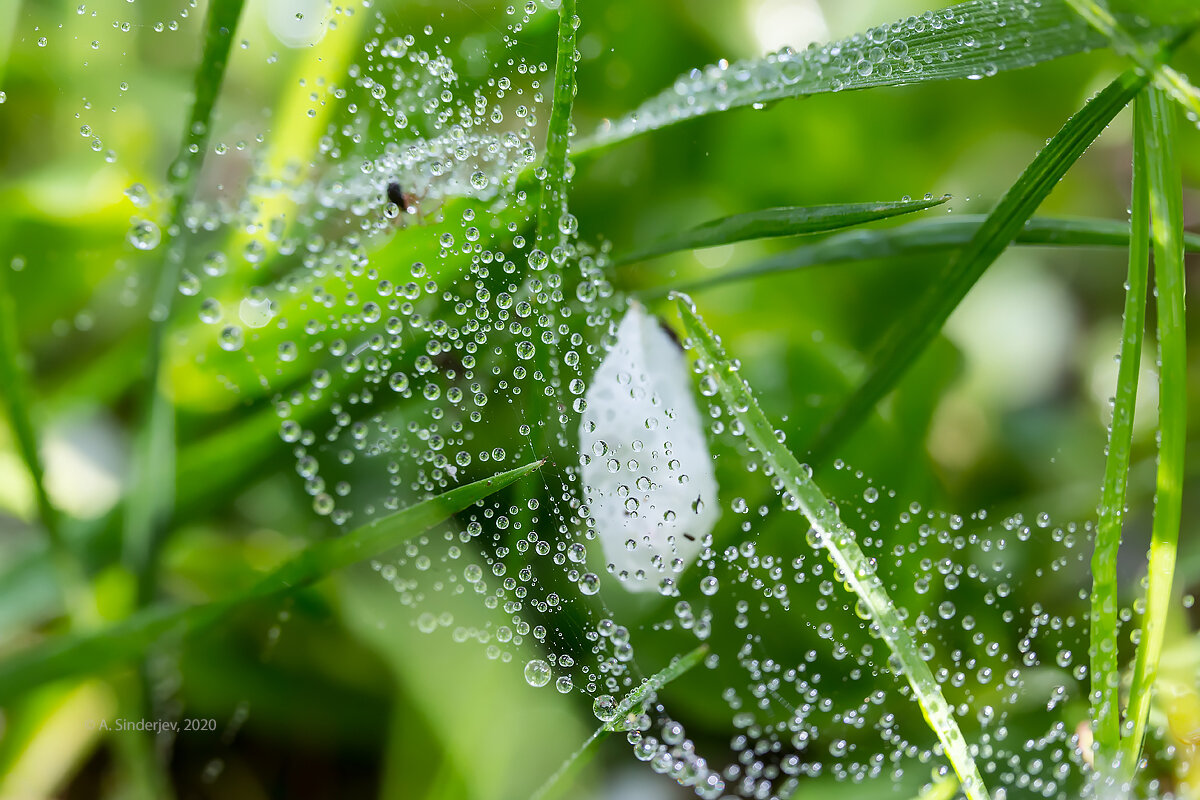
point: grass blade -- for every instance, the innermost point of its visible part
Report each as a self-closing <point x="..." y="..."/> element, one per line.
<point x="15" y="383"/>
<point x="828" y="531"/>
<point x="772" y="222"/>
<point x="907" y="340"/>
<point x="152" y="488"/>
<point x="1105" y="671"/>
<point x="557" y="783"/>
<point x="918" y="238"/>
<point x="91" y="653"/>
<point x="969" y="40"/>
<point x="1156" y="116"/>
<point x="554" y="184"/>
<point x="1165" y="78"/>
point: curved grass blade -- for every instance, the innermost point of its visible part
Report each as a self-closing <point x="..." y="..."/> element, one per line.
<point x="554" y="185"/>
<point x="829" y="532"/>
<point x="773" y="222"/>
<point x="557" y="783"/>
<point x="907" y="340"/>
<point x="918" y="238"/>
<point x="92" y="653"/>
<point x="1105" y="671"/>
<point x="151" y="494"/>
<point x="1165" y="78"/>
<point x="969" y="40"/>
<point x="1156" y="116"/>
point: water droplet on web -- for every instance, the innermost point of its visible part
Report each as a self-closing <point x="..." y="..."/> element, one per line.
<point x="144" y="235"/>
<point x="537" y="673"/>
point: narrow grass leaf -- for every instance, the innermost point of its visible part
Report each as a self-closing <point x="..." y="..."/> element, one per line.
<point x="81" y="654"/>
<point x="1105" y="671"/>
<point x="554" y="185"/>
<point x="560" y="781"/>
<point x="773" y="222"/>
<point x="14" y="383"/>
<point x="907" y="340"/>
<point x="970" y="40"/>
<point x="1166" y="78"/>
<point x="151" y="494"/>
<point x="921" y="237"/>
<point x="828" y="531"/>
<point x="1157" y="118"/>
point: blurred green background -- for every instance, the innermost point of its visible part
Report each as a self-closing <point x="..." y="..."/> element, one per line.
<point x="337" y="693"/>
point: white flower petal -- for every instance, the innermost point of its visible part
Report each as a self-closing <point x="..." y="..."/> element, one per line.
<point x="647" y="471"/>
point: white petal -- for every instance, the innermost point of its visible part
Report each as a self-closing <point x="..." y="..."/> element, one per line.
<point x="647" y="471"/>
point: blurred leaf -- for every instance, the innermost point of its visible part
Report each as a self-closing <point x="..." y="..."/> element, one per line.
<point x="84" y="654"/>
<point x="771" y="222"/>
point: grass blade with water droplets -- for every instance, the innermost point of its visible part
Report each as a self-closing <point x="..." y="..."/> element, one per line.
<point x="854" y="568"/>
<point x="1157" y="118"/>
<point x="969" y="40"/>
<point x="554" y="184"/>
<point x="773" y="222"/>
<point x="557" y="783"/>
<point x="1104" y="669"/>
<point x="92" y="653"/>
<point x="900" y="347"/>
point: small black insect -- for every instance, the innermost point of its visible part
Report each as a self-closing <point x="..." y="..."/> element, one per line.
<point x="405" y="201"/>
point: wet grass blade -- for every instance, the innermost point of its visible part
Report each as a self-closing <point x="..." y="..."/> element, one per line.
<point x="554" y="185"/>
<point x="95" y="652"/>
<point x="560" y="781"/>
<point x="829" y="532"/>
<point x="921" y="237"/>
<point x="969" y="40"/>
<point x="1156" y="116"/>
<point x="151" y="493"/>
<point x="1105" y="601"/>
<point x="907" y="340"/>
<point x="773" y="222"/>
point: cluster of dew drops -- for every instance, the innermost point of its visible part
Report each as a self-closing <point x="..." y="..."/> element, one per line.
<point x="451" y="343"/>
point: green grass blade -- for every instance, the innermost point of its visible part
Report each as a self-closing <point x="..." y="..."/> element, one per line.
<point x="80" y="654"/>
<point x="14" y="383"/>
<point x="560" y="781"/>
<point x="1166" y="78"/>
<point x="1105" y="671"/>
<point x="1157" y="118"/>
<point x="773" y="222"/>
<point x="918" y="238"/>
<point x="828" y="531"/>
<point x="554" y="183"/>
<point x="970" y="40"/>
<point x="151" y="494"/>
<point x="907" y="340"/>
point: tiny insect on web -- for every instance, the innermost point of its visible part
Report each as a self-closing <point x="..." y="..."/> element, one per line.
<point x="405" y="202"/>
